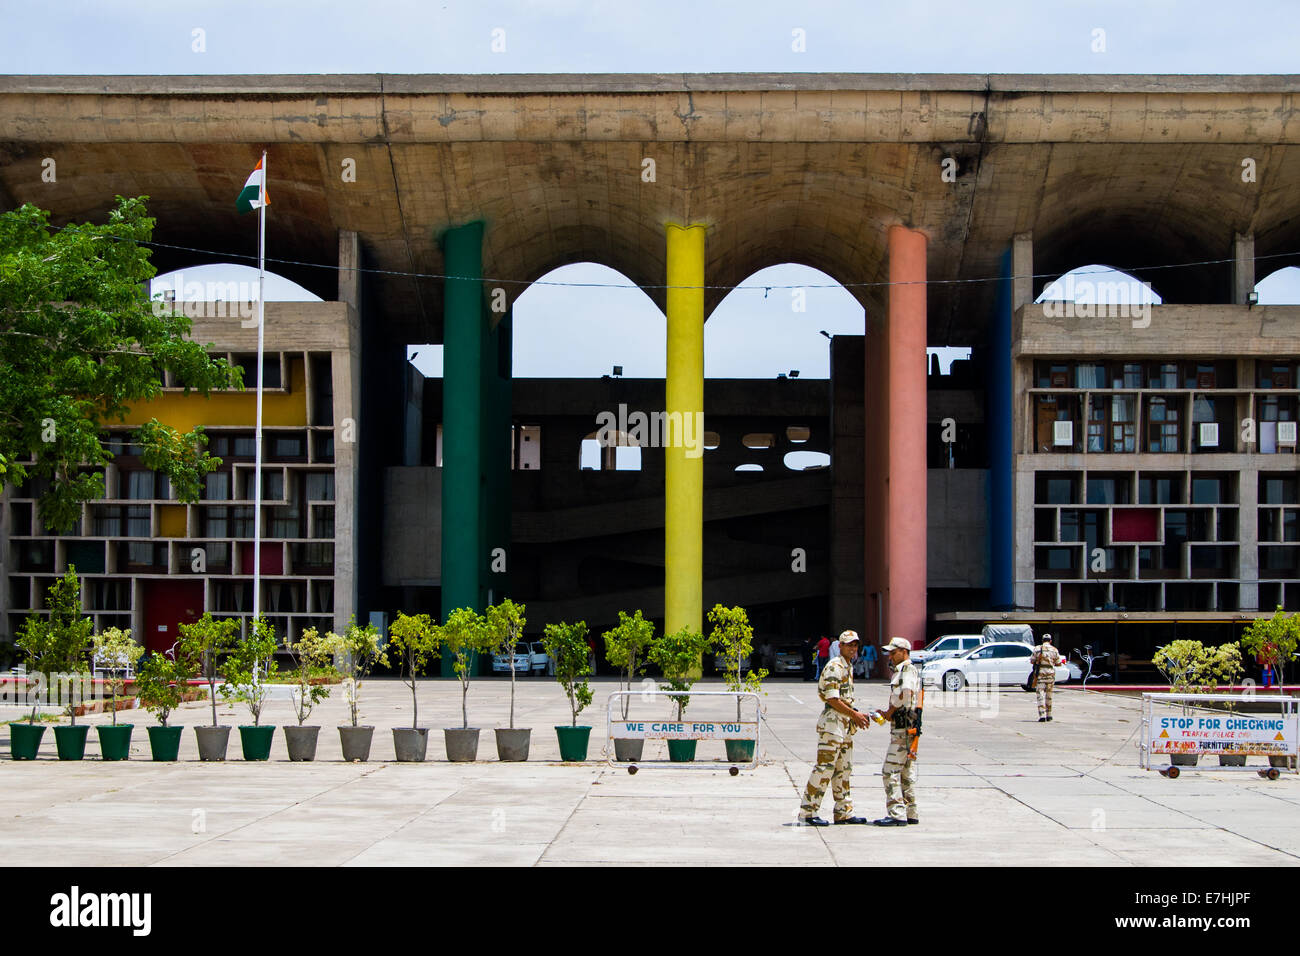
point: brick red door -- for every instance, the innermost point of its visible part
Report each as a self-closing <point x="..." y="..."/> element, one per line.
<point x="166" y="605"/>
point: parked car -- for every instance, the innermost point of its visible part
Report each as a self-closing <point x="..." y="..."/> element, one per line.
<point x="949" y="645"/>
<point x="998" y="663"/>
<point x="530" y="658"/>
<point x="786" y="659"/>
<point x="720" y="664"/>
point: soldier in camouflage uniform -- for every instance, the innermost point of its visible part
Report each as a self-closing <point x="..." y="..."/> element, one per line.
<point x="899" y="770"/>
<point x="835" y="729"/>
<point x="1046" y="658"/>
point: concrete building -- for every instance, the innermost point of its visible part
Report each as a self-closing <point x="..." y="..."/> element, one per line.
<point x="943" y="203"/>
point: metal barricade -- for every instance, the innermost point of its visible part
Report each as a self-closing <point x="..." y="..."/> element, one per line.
<point x="626" y="738"/>
<point x="1201" y="731"/>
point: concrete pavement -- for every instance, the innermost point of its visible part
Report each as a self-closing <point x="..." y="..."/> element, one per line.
<point x="995" y="786"/>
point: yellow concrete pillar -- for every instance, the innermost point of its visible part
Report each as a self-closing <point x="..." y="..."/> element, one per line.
<point x="683" y="454"/>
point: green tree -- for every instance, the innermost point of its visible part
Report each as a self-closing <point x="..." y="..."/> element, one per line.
<point x="466" y="634"/>
<point x="505" y="623"/>
<point x="58" y="645"/>
<point x="1273" y="640"/>
<point x="249" y="667"/>
<point x="356" y="652"/>
<point x="734" y="638"/>
<point x="117" y="651"/>
<point x="310" y="654"/>
<point x="161" y="683"/>
<point x="678" y="656"/>
<point x="205" y="644"/>
<point x="80" y="344"/>
<point x="567" y="646"/>
<point x="414" y="641"/>
<point x="625" y="647"/>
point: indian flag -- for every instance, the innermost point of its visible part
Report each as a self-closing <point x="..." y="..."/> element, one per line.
<point x="253" y="195"/>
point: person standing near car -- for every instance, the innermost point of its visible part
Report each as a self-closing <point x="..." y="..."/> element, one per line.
<point x="823" y="654"/>
<point x="1046" y="659"/>
<point x="807" y="651"/>
<point x="869" y="660"/>
<point x="835" y="729"/>
<point x="904" y="716"/>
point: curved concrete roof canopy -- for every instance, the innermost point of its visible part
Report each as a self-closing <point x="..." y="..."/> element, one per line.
<point x="1131" y="171"/>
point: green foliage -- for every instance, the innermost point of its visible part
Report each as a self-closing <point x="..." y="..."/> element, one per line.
<point x="678" y="656"/>
<point x="161" y="684"/>
<point x="1273" y="640"/>
<point x="115" y="649"/>
<point x="80" y="345"/>
<point x="310" y="655"/>
<point x="505" y="624"/>
<point x="567" y="646"/>
<point x="626" y="646"/>
<point x="58" y="645"/>
<point x="249" y="666"/>
<point x="205" y="644"/>
<point x="1192" y="668"/>
<point x="356" y="653"/>
<point x="734" y="637"/>
<point x="466" y="634"/>
<point x="414" y="641"/>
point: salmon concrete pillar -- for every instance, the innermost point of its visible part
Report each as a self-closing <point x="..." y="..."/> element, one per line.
<point x="905" y="519"/>
<point x="683" y="457"/>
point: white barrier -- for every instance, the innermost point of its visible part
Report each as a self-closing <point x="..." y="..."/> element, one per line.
<point x="1190" y="731"/>
<point x="741" y="735"/>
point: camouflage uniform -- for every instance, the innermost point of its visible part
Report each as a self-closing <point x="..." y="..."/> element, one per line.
<point x="900" y="765"/>
<point x="834" y="744"/>
<point x="1048" y="657"/>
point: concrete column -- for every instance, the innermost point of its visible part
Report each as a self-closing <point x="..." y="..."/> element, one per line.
<point x="1248" y="540"/>
<point x="1243" y="268"/>
<point x="684" y="396"/>
<point x="345" y="369"/>
<point x="462" y="390"/>
<point x="906" y="522"/>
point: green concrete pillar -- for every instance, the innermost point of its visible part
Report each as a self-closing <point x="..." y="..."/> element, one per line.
<point x="462" y="427"/>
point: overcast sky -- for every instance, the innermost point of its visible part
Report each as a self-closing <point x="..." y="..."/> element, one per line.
<point x="587" y="331"/>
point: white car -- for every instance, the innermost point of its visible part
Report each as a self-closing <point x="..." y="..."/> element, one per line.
<point x="998" y="663"/>
<point x="949" y="645"/>
<point x="530" y="658"/>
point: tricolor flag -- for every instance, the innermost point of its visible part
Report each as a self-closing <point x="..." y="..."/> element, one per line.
<point x="253" y="195"/>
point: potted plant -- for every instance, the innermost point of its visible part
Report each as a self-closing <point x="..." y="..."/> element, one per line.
<point x="505" y="624"/>
<point x="566" y="644"/>
<point x="734" y="638"/>
<point x="678" y="655"/>
<point x="161" y="684"/>
<point x="310" y="655"/>
<point x="205" y="643"/>
<point x="414" y="641"/>
<point x="1273" y="642"/>
<point x="625" y="648"/>
<point x="1221" y="664"/>
<point x="1184" y="664"/>
<point x="119" y="652"/>
<point x="57" y="647"/>
<point x="466" y="635"/>
<point x="249" y="668"/>
<point x="356" y="652"/>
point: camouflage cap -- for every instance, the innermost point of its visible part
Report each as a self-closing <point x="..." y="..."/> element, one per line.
<point x="898" y="643"/>
<point x="848" y="637"/>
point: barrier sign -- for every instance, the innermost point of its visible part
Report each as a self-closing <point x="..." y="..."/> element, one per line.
<point x="684" y="730"/>
<point x="1258" y="735"/>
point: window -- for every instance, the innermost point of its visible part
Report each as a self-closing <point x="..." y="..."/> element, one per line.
<point x="1275" y="375"/>
<point x="1211" y="490"/>
<point x="1163" y="433"/>
<point x="1162" y="375"/>
<point x="1012" y="650"/>
<point x="270" y="370"/>
<point x="216" y="486"/>
<point x="1123" y="422"/>
<point x="1090" y="376"/>
<point x="1055" y="488"/>
<point x="1277" y="490"/>
<point x="320" y="486"/>
<point x="1157" y="489"/>
<point x="1108" y="490"/>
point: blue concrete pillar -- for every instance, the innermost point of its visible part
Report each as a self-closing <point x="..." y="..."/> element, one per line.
<point x="1002" y="516"/>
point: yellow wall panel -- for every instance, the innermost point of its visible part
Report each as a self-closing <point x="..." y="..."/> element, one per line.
<point x="184" y="412"/>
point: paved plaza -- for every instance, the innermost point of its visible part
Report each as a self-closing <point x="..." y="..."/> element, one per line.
<point x="995" y="787"/>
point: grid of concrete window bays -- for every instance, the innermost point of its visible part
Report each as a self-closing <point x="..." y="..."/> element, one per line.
<point x="140" y="548"/>
<point x="1120" y="534"/>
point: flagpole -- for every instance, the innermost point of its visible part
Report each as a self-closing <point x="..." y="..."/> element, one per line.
<point x="257" y="441"/>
